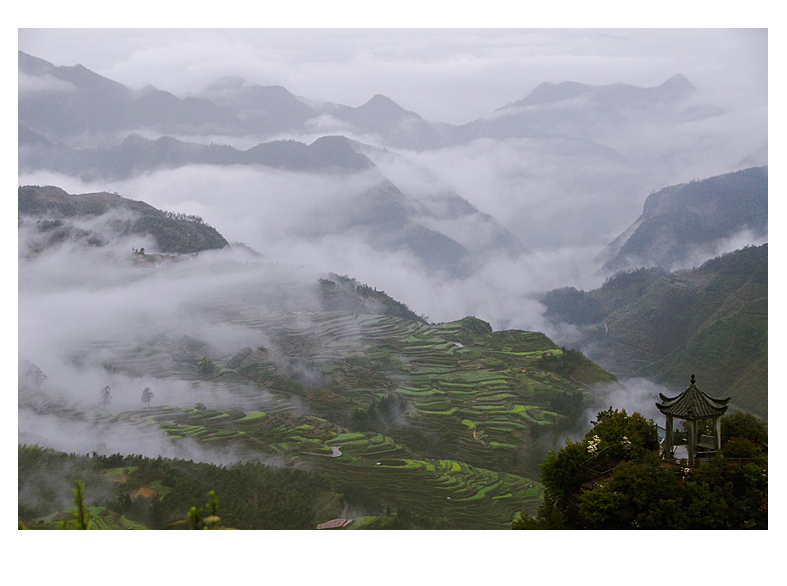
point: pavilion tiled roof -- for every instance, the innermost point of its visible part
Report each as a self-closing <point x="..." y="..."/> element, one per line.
<point x="692" y="404"/>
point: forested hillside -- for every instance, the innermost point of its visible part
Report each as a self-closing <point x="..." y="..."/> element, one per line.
<point x="55" y="215"/>
<point x="665" y="326"/>
<point x="683" y="222"/>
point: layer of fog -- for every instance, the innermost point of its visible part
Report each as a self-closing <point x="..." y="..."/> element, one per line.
<point x="633" y="395"/>
<point x="274" y="211"/>
<point x="91" y="317"/>
<point x="563" y="205"/>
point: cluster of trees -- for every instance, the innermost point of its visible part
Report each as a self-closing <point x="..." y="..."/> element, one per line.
<point x="184" y="217"/>
<point x="252" y="495"/>
<point x="613" y="478"/>
<point x="341" y="292"/>
<point x="105" y="397"/>
<point x="563" y="363"/>
<point x="381" y="414"/>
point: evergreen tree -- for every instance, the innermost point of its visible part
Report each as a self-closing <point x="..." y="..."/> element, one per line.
<point x="106" y="397"/>
<point x="147" y="395"/>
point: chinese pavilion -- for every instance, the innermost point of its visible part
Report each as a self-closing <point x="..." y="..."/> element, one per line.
<point x="692" y="406"/>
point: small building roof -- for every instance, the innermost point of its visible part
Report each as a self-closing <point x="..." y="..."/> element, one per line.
<point x="692" y="404"/>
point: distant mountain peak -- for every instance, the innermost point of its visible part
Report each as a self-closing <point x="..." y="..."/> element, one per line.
<point x="381" y="105"/>
<point x="678" y="81"/>
<point x="381" y="99"/>
<point x="676" y="86"/>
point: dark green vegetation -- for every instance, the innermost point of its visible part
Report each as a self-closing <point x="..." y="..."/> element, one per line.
<point x="52" y="210"/>
<point x="680" y="220"/>
<point x="431" y="425"/>
<point x="134" y="492"/>
<point x="664" y="326"/>
<point x="613" y="479"/>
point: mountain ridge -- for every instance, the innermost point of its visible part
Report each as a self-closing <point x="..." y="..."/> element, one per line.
<point x="712" y="320"/>
<point x="680" y="219"/>
<point x="51" y="208"/>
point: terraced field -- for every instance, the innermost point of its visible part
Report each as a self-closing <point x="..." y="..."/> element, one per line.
<point x="466" y="496"/>
<point x="432" y="418"/>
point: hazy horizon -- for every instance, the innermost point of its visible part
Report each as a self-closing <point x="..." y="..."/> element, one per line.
<point x="445" y="75"/>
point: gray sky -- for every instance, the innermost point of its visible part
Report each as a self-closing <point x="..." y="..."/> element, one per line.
<point x="446" y="75"/>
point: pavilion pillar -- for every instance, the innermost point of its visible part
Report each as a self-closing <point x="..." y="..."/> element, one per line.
<point x="718" y="434"/>
<point x="669" y="439"/>
<point x="692" y="441"/>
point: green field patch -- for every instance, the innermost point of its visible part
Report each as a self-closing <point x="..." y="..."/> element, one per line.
<point x="469" y="352"/>
<point x="501" y="382"/>
<point x="193" y="430"/>
<point x="461" y="393"/>
<point x="505" y="426"/>
<point x="399" y="463"/>
<point x="478" y="377"/>
<point x="305" y="440"/>
<point x="380" y="449"/>
<point x="489" y="407"/>
<point x="347" y="438"/>
<point x="220" y="435"/>
<point x="114" y="472"/>
<point x="418" y="392"/>
<point x="428" y="410"/>
<point x="253" y="415"/>
<point x="502" y="445"/>
<point x="425" y="370"/>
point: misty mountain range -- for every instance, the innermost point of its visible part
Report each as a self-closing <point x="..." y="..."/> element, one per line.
<point x="75" y="122"/>
<point x="69" y="102"/>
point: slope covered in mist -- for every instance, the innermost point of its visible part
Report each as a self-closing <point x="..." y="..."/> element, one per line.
<point x="712" y="321"/>
<point x="56" y="216"/>
<point x="684" y="222"/>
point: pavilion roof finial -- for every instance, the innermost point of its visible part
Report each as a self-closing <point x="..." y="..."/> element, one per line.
<point x="693" y="380"/>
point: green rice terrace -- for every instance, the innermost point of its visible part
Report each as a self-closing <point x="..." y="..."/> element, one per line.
<point x="441" y="420"/>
